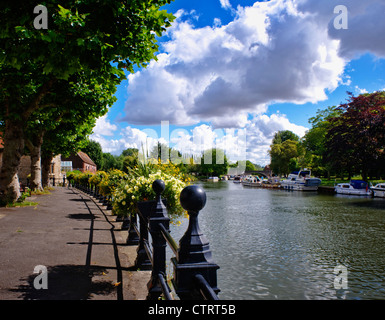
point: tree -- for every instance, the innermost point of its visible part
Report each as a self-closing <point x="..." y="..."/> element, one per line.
<point x="284" y="148"/>
<point x="356" y="138"/>
<point x="214" y="163"/>
<point x="111" y="162"/>
<point x="95" y="41"/>
<point x="282" y="136"/>
<point x="314" y="141"/>
<point x="282" y="155"/>
<point x="249" y="166"/>
<point x="65" y="139"/>
<point x="130" y="158"/>
<point x="95" y="152"/>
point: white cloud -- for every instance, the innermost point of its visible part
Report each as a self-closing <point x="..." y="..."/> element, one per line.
<point x="104" y="127"/>
<point x="360" y="90"/>
<point x="251" y="143"/>
<point x="225" y="4"/>
<point x="270" y="52"/>
<point x="260" y="132"/>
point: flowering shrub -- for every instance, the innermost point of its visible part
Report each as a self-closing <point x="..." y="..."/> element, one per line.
<point x="79" y="177"/>
<point x="110" y="181"/>
<point x="129" y="192"/>
<point x="97" y="178"/>
<point x="127" y="189"/>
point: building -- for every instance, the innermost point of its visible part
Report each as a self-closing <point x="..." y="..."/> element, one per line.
<point x="59" y="165"/>
<point x="79" y="161"/>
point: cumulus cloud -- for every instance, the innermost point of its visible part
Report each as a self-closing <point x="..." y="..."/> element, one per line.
<point x="251" y="142"/>
<point x="104" y="127"/>
<point x="260" y="132"/>
<point x="228" y="75"/>
<point x="366" y="25"/>
<point x="271" y="52"/>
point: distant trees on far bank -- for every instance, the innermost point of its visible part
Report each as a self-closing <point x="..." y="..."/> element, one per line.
<point x="343" y="141"/>
<point x="212" y="162"/>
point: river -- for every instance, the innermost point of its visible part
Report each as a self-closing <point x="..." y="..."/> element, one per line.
<point x="276" y="244"/>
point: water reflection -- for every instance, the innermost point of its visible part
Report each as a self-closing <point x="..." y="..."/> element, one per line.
<point x="274" y="244"/>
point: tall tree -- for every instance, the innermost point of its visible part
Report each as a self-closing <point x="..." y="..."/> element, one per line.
<point x="98" y="40"/>
<point x="284" y="150"/>
<point x="356" y="138"/>
<point x="314" y="141"/>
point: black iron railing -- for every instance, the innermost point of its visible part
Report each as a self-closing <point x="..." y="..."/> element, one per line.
<point x="194" y="271"/>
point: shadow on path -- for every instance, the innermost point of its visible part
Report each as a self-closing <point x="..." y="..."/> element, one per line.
<point x="67" y="282"/>
<point x="75" y="282"/>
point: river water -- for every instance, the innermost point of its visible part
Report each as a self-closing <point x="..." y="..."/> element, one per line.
<point x="276" y="244"/>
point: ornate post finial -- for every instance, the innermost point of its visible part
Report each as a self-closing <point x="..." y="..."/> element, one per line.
<point x="194" y="247"/>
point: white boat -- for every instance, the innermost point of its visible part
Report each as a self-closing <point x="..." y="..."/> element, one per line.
<point x="301" y="181"/>
<point x="252" y="181"/>
<point x="355" y="187"/>
<point x="379" y="190"/>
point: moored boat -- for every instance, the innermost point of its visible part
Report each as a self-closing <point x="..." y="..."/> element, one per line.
<point x="301" y="181"/>
<point x="355" y="187"/>
<point x="379" y="190"/>
<point x="252" y="181"/>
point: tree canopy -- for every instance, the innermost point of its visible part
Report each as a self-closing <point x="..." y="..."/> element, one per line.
<point x="82" y="55"/>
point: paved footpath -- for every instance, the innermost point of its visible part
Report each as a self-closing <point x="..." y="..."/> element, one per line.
<point x="80" y="244"/>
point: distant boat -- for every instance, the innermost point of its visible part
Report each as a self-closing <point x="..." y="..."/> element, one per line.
<point x="379" y="190"/>
<point x="301" y="181"/>
<point x="355" y="187"/>
<point x="237" y="179"/>
<point x="252" y="181"/>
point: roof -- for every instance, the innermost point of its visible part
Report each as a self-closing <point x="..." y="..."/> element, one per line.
<point x="84" y="156"/>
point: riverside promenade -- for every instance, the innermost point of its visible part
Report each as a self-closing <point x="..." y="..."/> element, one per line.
<point x="79" y="243"/>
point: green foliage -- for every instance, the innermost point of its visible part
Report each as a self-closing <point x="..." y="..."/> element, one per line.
<point x="94" y="150"/>
<point x="74" y="66"/>
<point x="356" y="138"/>
<point x="214" y="163"/>
<point x="284" y="152"/>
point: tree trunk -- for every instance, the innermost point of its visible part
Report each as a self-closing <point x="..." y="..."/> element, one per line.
<point x="13" y="151"/>
<point x="34" y="146"/>
<point x="45" y="169"/>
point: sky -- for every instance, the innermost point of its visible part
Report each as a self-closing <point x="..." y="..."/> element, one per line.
<point x="231" y="73"/>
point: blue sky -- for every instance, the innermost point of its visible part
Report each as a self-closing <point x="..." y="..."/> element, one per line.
<point x="231" y="73"/>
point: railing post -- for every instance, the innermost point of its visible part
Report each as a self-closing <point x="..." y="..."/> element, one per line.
<point x="194" y="254"/>
<point x="132" y="238"/>
<point x="158" y="216"/>
<point x="142" y="260"/>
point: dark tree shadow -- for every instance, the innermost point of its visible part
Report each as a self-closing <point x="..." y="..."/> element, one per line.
<point x="81" y="216"/>
<point x="66" y="282"/>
